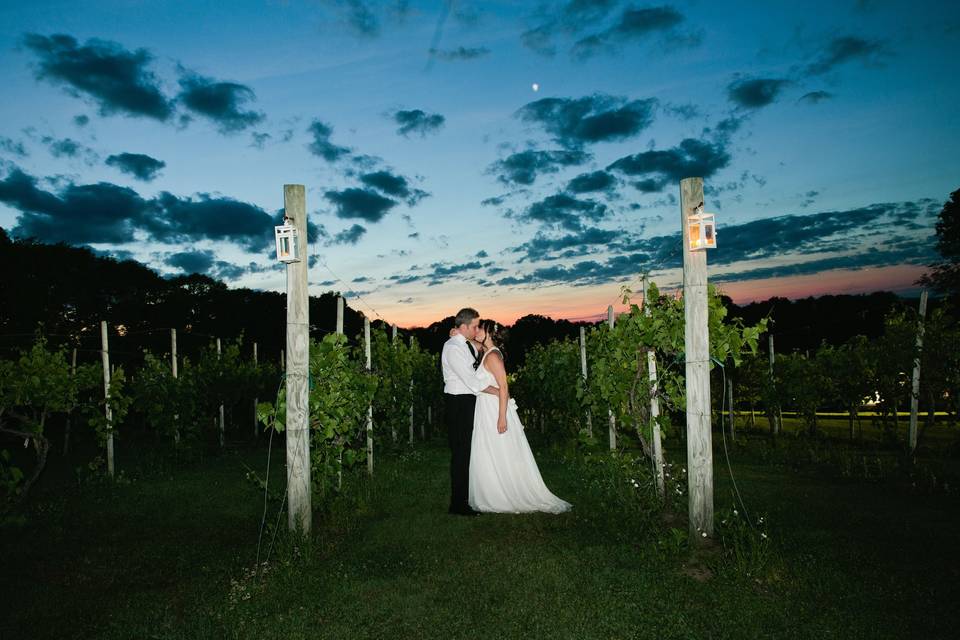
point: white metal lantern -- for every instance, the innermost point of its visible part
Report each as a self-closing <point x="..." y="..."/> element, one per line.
<point x="288" y="242"/>
<point x="701" y="230"/>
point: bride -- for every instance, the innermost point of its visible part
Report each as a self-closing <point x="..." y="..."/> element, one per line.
<point x="504" y="477"/>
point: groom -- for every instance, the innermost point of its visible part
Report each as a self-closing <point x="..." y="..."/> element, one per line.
<point x="460" y="387"/>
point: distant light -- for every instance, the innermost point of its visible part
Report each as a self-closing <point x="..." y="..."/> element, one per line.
<point x="535" y="86"/>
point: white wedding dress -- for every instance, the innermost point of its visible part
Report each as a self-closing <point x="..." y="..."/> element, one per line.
<point x="504" y="477"/>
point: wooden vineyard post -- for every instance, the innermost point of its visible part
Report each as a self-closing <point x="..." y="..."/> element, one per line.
<point x="612" y="419"/>
<point x="66" y="430"/>
<point x="105" y="356"/>
<point x="411" y="398"/>
<point x="915" y="386"/>
<point x="733" y="431"/>
<point x="697" y="348"/>
<point x="340" y="315"/>
<point x="220" y="424"/>
<point x="297" y="368"/>
<point x="583" y="372"/>
<point x="366" y="349"/>
<point x="774" y="410"/>
<point x="256" y="400"/>
<point x="393" y="344"/>
<point x="657" y="442"/>
<point x="340" y="333"/>
<point x="174" y="373"/>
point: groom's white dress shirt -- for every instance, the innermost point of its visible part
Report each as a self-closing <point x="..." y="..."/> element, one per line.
<point x="459" y="376"/>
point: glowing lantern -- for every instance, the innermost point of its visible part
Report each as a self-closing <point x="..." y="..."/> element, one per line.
<point x="288" y="243"/>
<point x="701" y="230"/>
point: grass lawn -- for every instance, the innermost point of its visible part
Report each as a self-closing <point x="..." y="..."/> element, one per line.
<point x="170" y="554"/>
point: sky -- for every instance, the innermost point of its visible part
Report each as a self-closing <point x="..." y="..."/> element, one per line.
<point x="516" y="157"/>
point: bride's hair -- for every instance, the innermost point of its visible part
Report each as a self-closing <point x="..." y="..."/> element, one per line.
<point x="492" y="329"/>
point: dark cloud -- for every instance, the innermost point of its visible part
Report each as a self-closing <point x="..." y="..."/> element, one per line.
<point x="140" y="166"/>
<point x="361" y="279"/>
<point x="683" y="111"/>
<point x="844" y="49"/>
<point x="482" y="254"/>
<point x="221" y="102"/>
<point x="658" y="168"/>
<point x="564" y="211"/>
<point x="417" y="121"/>
<point x="633" y="25"/>
<point x="350" y="236"/>
<point x="540" y="40"/>
<point x="595" y="181"/>
<point x="79" y="214"/>
<point x="596" y="118"/>
<point x="360" y="203"/>
<point x="460" y="53"/>
<point x="105" y="213"/>
<point x="753" y="93"/>
<point x="13" y="147"/>
<point x="321" y="145"/>
<point x="191" y="261"/>
<point x="81" y="120"/>
<point x="70" y="148"/>
<point x="405" y="301"/>
<point x="393" y="185"/>
<point x="117" y="79"/>
<point x="815" y="97"/>
<point x="358" y="17"/>
<point x="541" y="247"/>
<point x="523" y="167"/>
<point x="259" y="139"/>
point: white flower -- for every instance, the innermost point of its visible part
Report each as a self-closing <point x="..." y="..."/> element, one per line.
<point x="735" y="512"/>
<point x="704" y="534"/>
<point x="763" y="535"/>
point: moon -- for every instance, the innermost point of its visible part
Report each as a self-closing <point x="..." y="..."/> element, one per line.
<point x="535" y="86"/>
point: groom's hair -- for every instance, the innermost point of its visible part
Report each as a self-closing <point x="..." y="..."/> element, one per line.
<point x="465" y="316"/>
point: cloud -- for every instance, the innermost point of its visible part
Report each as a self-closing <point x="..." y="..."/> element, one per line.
<point x="815" y="97"/>
<point x="541" y="247"/>
<point x="191" y="261"/>
<point x="753" y="93"/>
<point x="321" y="146"/>
<point x="843" y="49"/>
<point x="591" y="119"/>
<point x="460" y="53"/>
<point x="482" y="254"/>
<point x="661" y="167"/>
<point x="70" y="148"/>
<point x="393" y="185"/>
<point x="405" y="301"/>
<point x="140" y="166"/>
<point x="360" y="203"/>
<point x="350" y="236"/>
<point x="562" y="210"/>
<point x="523" y="167"/>
<point x="116" y="79"/>
<point x="220" y="102"/>
<point x="634" y="25"/>
<point x="358" y="17"/>
<point x="13" y="147"/>
<point x="105" y="213"/>
<point x="81" y="120"/>
<point x="418" y="121"/>
<point x="595" y="181"/>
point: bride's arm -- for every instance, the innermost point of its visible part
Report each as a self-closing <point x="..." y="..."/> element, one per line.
<point x="495" y="364"/>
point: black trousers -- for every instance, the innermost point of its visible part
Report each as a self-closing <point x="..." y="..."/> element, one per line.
<point x="459" y="415"/>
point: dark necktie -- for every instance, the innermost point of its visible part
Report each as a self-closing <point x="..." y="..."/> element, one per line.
<point x="473" y="351"/>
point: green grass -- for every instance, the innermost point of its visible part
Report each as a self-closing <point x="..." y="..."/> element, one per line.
<point x="171" y="555"/>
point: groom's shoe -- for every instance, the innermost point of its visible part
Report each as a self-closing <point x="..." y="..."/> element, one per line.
<point x="463" y="511"/>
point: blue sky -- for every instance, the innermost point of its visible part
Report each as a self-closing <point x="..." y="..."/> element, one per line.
<point x="438" y="176"/>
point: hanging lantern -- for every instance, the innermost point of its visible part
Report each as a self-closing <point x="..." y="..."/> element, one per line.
<point x="288" y="243"/>
<point x="701" y="230"/>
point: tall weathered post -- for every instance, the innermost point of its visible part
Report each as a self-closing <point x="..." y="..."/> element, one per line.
<point x="697" y="348"/>
<point x="583" y="372"/>
<point x="411" y="398"/>
<point x="366" y="349"/>
<point x="612" y="418"/>
<point x="297" y="367"/>
<point x="256" y="401"/>
<point x="105" y="357"/>
<point x="774" y="410"/>
<point x="657" y="442"/>
<point x="173" y="371"/>
<point x="220" y="428"/>
<point x="915" y="386"/>
<point x="340" y="315"/>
